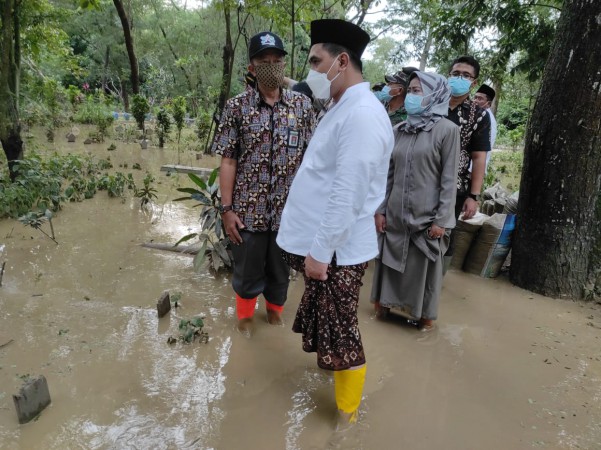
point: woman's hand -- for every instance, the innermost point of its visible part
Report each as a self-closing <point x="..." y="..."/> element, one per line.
<point x="315" y="270"/>
<point x="380" y="223"/>
<point x="232" y="223"/>
<point x="435" y="232"/>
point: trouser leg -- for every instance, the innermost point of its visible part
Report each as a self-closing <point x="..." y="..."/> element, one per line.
<point x="277" y="275"/>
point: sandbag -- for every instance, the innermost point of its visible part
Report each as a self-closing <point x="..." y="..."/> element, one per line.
<point x="491" y="246"/>
<point x="465" y="233"/>
<point x="494" y="192"/>
<point x="511" y="205"/>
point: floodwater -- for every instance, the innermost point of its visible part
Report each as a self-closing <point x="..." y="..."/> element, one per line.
<point x="505" y="369"/>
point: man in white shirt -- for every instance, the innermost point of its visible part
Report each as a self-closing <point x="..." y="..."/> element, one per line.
<point x="327" y="229"/>
<point x="483" y="98"/>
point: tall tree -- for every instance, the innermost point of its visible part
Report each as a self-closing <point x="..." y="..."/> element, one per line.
<point x="10" y="76"/>
<point x="557" y="246"/>
<point x="129" y="45"/>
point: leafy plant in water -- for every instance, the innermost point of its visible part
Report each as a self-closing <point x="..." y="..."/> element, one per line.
<point x="147" y="193"/>
<point x="163" y="126"/>
<point x="191" y="329"/>
<point x="116" y="184"/>
<point x="213" y="242"/>
<point x="36" y="220"/>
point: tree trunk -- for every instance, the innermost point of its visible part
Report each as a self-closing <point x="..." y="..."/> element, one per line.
<point x="10" y="72"/>
<point x="557" y="246"/>
<point x="107" y="55"/>
<point x="497" y="84"/>
<point x="129" y="45"/>
<point x="423" y="61"/>
<point x="228" y="58"/>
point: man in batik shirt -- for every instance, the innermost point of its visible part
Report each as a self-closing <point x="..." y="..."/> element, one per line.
<point x="262" y="136"/>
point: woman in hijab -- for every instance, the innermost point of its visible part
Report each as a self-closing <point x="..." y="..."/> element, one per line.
<point x="415" y="220"/>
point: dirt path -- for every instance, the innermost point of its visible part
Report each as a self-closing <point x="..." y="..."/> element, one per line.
<point x="506" y="369"/>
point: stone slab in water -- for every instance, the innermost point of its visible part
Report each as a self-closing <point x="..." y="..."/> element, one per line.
<point x="164" y="304"/>
<point x="32" y="398"/>
<point x="186" y="169"/>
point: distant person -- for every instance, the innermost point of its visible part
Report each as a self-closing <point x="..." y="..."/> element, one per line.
<point x="262" y="136"/>
<point x="483" y="98"/>
<point x="474" y="123"/>
<point x="393" y="94"/>
<point x="378" y="87"/>
<point x="320" y="105"/>
<point x="418" y="213"/>
<point x="327" y="229"/>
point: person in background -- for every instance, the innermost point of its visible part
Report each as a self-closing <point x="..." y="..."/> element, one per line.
<point x="415" y="220"/>
<point x="327" y="230"/>
<point x="474" y="125"/>
<point x="261" y="137"/>
<point x="378" y="87"/>
<point x="483" y="98"/>
<point x="393" y="94"/>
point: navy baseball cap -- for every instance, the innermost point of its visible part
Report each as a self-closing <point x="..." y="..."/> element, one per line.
<point x="263" y="41"/>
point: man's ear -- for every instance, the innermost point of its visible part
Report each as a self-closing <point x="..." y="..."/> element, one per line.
<point x="344" y="60"/>
<point x="251" y="69"/>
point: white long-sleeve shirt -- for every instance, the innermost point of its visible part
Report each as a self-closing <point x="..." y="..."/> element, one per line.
<point x="340" y="183"/>
<point x="493" y="134"/>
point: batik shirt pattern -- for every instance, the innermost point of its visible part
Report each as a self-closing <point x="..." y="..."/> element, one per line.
<point x="474" y="136"/>
<point x="269" y="144"/>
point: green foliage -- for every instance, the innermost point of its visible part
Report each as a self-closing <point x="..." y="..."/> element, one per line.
<point x="148" y="192"/>
<point x="203" y="125"/>
<point x="213" y="242"/>
<point x="505" y="167"/>
<point x="139" y="109"/>
<point x="36" y="219"/>
<point x="191" y="329"/>
<point x="95" y="111"/>
<point x="115" y="184"/>
<point x="45" y="184"/>
<point x="163" y="126"/>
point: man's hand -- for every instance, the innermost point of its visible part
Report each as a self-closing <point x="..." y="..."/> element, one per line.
<point x="232" y="223"/>
<point x="470" y="208"/>
<point x="435" y="232"/>
<point x="315" y="269"/>
<point x="380" y="223"/>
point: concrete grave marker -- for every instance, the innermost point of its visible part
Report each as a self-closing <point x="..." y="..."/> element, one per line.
<point x="164" y="304"/>
<point x="32" y="398"/>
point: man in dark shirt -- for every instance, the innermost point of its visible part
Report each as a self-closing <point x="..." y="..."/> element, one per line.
<point x="262" y="136"/>
<point x="475" y="138"/>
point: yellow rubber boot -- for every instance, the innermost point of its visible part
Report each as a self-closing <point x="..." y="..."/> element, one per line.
<point x="348" y="387"/>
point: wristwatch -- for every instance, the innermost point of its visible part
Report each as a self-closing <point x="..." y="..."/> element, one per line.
<point x="474" y="196"/>
<point x="225" y="208"/>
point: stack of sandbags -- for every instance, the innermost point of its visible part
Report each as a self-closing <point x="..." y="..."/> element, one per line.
<point x="491" y="246"/>
<point x="465" y="233"/>
<point x="511" y="205"/>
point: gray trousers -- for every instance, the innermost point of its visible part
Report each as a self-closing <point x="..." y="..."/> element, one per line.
<point x="259" y="267"/>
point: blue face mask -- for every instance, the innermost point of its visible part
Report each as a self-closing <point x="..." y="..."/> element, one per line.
<point x="413" y="104"/>
<point x="459" y="86"/>
<point x="384" y="95"/>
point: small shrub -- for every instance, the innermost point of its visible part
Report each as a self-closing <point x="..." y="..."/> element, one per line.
<point x="139" y="109"/>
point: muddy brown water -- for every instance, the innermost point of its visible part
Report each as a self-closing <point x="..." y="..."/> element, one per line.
<point x="505" y="369"/>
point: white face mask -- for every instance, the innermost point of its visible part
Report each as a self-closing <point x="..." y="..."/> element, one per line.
<point x="319" y="83"/>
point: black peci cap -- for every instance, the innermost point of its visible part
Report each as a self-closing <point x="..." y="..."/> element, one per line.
<point x="341" y="32"/>
<point x="487" y="90"/>
<point x="263" y="41"/>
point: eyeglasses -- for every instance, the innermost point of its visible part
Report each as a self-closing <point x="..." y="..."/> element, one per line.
<point x="465" y="75"/>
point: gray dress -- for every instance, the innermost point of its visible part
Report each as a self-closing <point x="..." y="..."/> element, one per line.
<point x="420" y="192"/>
